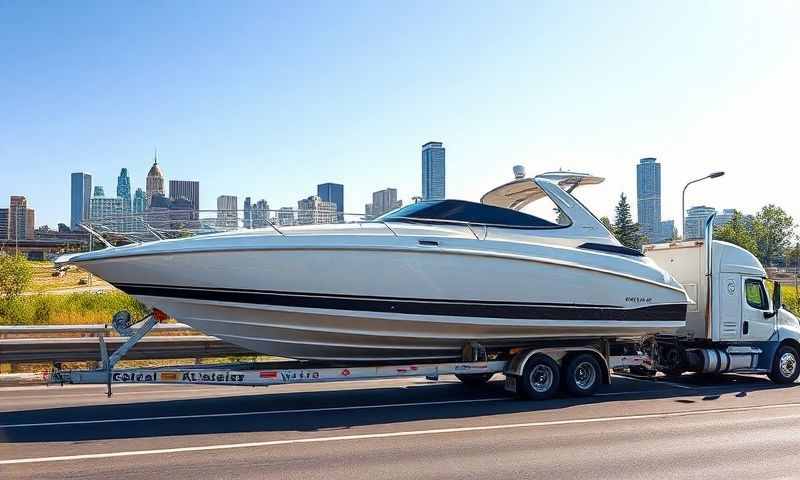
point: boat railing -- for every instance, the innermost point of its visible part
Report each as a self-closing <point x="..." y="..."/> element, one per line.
<point x="161" y="223"/>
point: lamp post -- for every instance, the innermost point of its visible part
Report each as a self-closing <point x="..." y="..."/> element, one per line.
<point x="683" y="199"/>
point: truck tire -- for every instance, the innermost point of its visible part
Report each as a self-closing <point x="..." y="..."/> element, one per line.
<point x="474" y="380"/>
<point x="540" y="378"/>
<point x="785" y="365"/>
<point x="582" y="375"/>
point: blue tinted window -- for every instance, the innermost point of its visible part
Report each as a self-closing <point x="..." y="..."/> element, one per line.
<point x="463" y="211"/>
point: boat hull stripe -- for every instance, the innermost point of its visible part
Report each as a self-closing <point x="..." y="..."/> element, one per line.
<point x="456" y="308"/>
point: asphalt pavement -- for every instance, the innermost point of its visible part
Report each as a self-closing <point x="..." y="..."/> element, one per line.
<point x="690" y="427"/>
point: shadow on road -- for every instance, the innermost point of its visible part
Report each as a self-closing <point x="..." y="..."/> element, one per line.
<point x="340" y="414"/>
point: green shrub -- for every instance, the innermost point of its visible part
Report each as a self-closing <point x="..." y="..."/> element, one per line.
<point x="16" y="274"/>
<point x="70" y="309"/>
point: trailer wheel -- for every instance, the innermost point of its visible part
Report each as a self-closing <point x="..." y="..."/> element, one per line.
<point x="785" y="365"/>
<point x="582" y="375"/>
<point x="474" y="380"/>
<point x="540" y="378"/>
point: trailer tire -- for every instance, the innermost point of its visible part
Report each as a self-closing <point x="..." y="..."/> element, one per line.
<point x="582" y="375"/>
<point x="785" y="365"/>
<point x="540" y="378"/>
<point x="474" y="380"/>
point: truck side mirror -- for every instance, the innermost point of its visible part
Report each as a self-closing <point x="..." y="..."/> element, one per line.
<point x="777" y="298"/>
<point x="776" y="301"/>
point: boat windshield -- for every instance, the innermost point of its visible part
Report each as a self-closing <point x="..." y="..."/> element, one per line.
<point x="461" y="211"/>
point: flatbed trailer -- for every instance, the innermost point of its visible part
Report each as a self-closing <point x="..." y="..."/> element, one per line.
<point x="580" y="366"/>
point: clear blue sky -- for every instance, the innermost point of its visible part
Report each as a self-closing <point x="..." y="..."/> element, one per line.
<point x="267" y="99"/>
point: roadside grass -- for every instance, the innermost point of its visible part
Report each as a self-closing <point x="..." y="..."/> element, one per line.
<point x="43" y="279"/>
<point x="67" y="309"/>
<point x="791" y="297"/>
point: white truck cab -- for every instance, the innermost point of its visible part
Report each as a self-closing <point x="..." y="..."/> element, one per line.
<point x="733" y="324"/>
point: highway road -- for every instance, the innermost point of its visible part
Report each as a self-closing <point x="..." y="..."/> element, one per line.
<point x="734" y="427"/>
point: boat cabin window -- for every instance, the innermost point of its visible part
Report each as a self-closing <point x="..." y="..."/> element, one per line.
<point x="458" y="211"/>
<point x="756" y="295"/>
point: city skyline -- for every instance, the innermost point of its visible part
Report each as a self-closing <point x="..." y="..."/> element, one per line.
<point x="725" y="76"/>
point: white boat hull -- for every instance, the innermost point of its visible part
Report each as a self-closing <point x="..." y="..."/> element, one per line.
<point x="395" y="300"/>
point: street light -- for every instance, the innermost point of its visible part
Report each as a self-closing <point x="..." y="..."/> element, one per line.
<point x="683" y="199"/>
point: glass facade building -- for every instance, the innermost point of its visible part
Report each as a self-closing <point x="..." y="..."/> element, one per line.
<point x="333" y="193"/>
<point x="80" y="194"/>
<point x="648" y="197"/>
<point x="433" y="171"/>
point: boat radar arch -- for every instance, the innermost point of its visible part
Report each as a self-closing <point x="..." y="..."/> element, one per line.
<point x="525" y="190"/>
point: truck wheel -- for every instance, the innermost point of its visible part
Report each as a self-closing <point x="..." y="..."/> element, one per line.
<point x="540" y="378"/>
<point x="474" y="380"/>
<point x="582" y="375"/>
<point x="785" y="365"/>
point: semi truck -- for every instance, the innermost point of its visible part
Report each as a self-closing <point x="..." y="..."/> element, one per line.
<point x="732" y="325"/>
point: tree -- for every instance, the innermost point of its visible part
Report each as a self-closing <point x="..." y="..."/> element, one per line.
<point x="793" y="255"/>
<point x="15" y="275"/>
<point x="738" y="232"/>
<point x="624" y="229"/>
<point x="607" y="223"/>
<point x="773" y="229"/>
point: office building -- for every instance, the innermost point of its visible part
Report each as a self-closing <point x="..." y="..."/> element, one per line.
<point x="724" y="217"/>
<point x="333" y="193"/>
<point x="3" y="224"/>
<point x="286" y="217"/>
<point x="20" y="219"/>
<point x="260" y="214"/>
<point x="383" y="201"/>
<point x="248" y="213"/>
<point x="648" y="197"/>
<point x="314" y="210"/>
<point x="188" y="189"/>
<point x="108" y="212"/>
<point x="80" y="194"/>
<point x="98" y="191"/>
<point x="124" y="188"/>
<point x="693" y="228"/>
<point x="139" y="201"/>
<point x="155" y="180"/>
<point x="433" y="171"/>
<point x="227" y="216"/>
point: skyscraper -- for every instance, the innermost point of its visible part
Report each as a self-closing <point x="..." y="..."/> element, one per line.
<point x="188" y="189"/>
<point x="80" y="193"/>
<point x="124" y="188"/>
<point x="648" y="197"/>
<point x="155" y="180"/>
<point x="227" y="206"/>
<point x="139" y="201"/>
<point x="248" y="213"/>
<point x="98" y="191"/>
<point x="333" y="193"/>
<point x="433" y="171"/>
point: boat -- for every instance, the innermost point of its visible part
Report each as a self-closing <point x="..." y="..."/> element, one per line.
<point x="418" y="283"/>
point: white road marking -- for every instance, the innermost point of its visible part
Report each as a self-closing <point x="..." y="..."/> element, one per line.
<point x="243" y="414"/>
<point x="393" y="434"/>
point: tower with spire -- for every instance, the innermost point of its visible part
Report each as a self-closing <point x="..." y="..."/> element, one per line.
<point x="155" y="180"/>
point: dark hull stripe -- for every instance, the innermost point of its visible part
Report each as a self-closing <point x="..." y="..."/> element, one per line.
<point x="456" y="308"/>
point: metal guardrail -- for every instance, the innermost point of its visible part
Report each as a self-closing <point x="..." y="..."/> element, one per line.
<point x="83" y="344"/>
<point x="7" y="331"/>
<point x="34" y="350"/>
